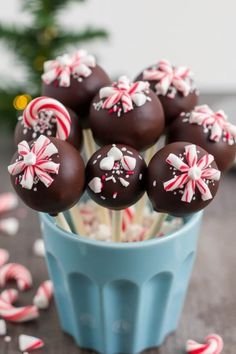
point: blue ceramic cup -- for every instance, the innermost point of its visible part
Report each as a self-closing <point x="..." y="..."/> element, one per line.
<point x="120" y="298"/>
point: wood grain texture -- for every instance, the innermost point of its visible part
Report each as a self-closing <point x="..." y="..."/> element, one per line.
<point x="211" y="301"/>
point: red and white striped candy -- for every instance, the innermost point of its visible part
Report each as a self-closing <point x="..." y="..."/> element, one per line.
<point x="214" y="345"/>
<point x="17" y="272"/>
<point x="128" y="216"/>
<point x="15" y="314"/>
<point x="9" y="296"/>
<point x="8" y="201"/>
<point x="31" y="113"/>
<point x="4" y="256"/>
<point x="43" y="295"/>
<point x="29" y="343"/>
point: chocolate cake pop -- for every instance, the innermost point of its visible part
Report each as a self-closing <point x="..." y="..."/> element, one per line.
<point x="210" y="130"/>
<point x="74" y="80"/>
<point x="173" y="85"/>
<point x="182" y="179"/>
<point x="47" y="174"/>
<point x="127" y="113"/>
<point x="49" y="117"/>
<point x="115" y="176"/>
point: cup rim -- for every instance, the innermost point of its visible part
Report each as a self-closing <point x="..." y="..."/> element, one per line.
<point x="193" y="219"/>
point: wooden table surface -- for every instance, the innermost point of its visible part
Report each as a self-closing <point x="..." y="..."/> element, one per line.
<point x="211" y="302"/>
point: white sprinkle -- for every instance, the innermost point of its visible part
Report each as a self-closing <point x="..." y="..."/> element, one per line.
<point x="140" y="157"/>
<point x="95" y="161"/>
<point x="140" y="176"/>
<point x="98" y="157"/>
<point x="35" y="189"/>
<point x="130" y="152"/>
<point x="127" y="176"/>
<point x="124" y="149"/>
<point x="154" y="183"/>
<point x="114" y="195"/>
<point x="102" y="197"/>
<point x="124" y="182"/>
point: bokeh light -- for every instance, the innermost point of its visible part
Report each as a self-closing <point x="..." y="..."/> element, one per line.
<point x="21" y="101"/>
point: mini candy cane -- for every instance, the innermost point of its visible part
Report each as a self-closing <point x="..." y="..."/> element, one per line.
<point x="214" y="345"/>
<point x="4" y="256"/>
<point x="29" y="343"/>
<point x="18" y="272"/>
<point x="43" y="295"/>
<point x="8" y="201"/>
<point x="15" y="314"/>
<point x="62" y="116"/>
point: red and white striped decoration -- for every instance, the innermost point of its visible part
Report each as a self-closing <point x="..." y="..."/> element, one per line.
<point x="15" y="314"/>
<point x="128" y="216"/>
<point x="63" y="67"/>
<point x="29" y="343"/>
<point x="168" y="76"/>
<point x="10" y="296"/>
<point x="63" y="120"/>
<point x="193" y="175"/>
<point x="43" y="295"/>
<point x="214" y="345"/>
<point x="8" y="201"/>
<point x="124" y="93"/>
<point x="215" y="122"/>
<point x="4" y="256"/>
<point x="35" y="162"/>
<point x="17" y="272"/>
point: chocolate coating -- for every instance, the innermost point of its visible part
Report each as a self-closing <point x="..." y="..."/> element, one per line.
<point x="66" y="188"/>
<point x="79" y="94"/>
<point x="117" y="188"/>
<point x="223" y="152"/>
<point x="75" y="138"/>
<point x="159" y="171"/>
<point x="139" y="128"/>
<point x="173" y="106"/>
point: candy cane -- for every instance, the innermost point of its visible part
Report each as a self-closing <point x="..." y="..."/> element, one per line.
<point x="29" y="343"/>
<point x="214" y="345"/>
<point x="15" y="314"/>
<point x="4" y="256"/>
<point x="43" y="295"/>
<point x="62" y="116"/>
<point x="8" y="201"/>
<point x="9" y="296"/>
<point x="18" y="272"/>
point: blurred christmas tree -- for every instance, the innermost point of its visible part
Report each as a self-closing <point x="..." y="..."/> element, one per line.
<point x="43" y="40"/>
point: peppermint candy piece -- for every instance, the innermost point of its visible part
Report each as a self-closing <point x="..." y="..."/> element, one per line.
<point x="214" y="345"/>
<point x="43" y="295"/>
<point x="107" y="163"/>
<point x="29" y="343"/>
<point x="9" y="226"/>
<point x="95" y="185"/>
<point x="17" y="272"/>
<point x="128" y="163"/>
<point x="115" y="153"/>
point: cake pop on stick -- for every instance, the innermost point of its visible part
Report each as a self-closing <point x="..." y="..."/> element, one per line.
<point x="74" y="79"/>
<point x="47" y="116"/>
<point x="127" y="113"/>
<point x="208" y="129"/>
<point x="48" y="175"/>
<point x="182" y="178"/>
<point x="115" y="178"/>
<point x="173" y="85"/>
